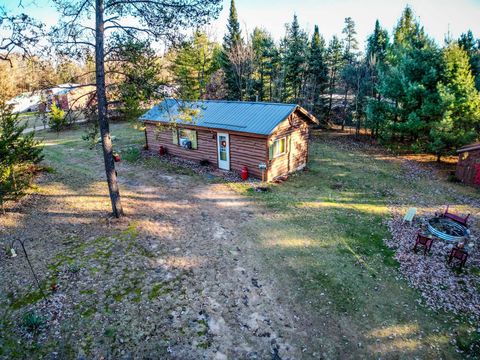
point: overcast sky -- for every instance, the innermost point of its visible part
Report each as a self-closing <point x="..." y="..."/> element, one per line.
<point x="438" y="17"/>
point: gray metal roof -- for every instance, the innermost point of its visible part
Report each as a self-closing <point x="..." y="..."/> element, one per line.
<point x="250" y="117"/>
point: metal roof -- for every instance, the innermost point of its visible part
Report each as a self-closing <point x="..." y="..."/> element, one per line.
<point x="250" y="117"/>
<point x="470" y="147"/>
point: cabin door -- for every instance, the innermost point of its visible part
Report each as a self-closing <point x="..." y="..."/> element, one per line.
<point x="223" y="146"/>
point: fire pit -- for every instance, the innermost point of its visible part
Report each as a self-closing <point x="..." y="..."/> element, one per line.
<point x="447" y="229"/>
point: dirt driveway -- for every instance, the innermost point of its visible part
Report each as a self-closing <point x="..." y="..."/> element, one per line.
<point x="175" y="278"/>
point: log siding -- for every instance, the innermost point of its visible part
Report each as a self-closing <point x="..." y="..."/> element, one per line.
<point x="206" y="146"/>
<point x="296" y="156"/>
<point x="468" y="167"/>
<point x="245" y="150"/>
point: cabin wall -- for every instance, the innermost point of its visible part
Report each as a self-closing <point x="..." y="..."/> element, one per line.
<point x="468" y="167"/>
<point x="206" y="145"/>
<point x="244" y="150"/>
<point x="249" y="152"/>
<point x="296" y="156"/>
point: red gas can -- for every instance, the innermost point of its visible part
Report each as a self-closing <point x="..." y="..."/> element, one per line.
<point x="162" y="151"/>
<point x="244" y="173"/>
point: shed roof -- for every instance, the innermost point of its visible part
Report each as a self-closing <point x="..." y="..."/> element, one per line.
<point x="250" y="117"/>
<point x="470" y="147"/>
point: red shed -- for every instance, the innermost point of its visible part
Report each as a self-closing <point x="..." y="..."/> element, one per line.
<point x="468" y="166"/>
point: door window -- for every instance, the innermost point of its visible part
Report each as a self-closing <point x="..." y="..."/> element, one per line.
<point x="223" y="147"/>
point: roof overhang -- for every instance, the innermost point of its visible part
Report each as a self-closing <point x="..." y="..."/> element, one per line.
<point x="204" y="128"/>
<point x="470" y="147"/>
<point x="309" y="116"/>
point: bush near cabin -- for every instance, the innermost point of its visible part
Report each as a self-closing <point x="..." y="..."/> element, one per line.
<point x="57" y="119"/>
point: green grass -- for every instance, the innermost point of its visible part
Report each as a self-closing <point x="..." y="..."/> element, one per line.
<point x="31" y="120"/>
<point x="75" y="163"/>
<point x="321" y="239"/>
<point x="324" y="245"/>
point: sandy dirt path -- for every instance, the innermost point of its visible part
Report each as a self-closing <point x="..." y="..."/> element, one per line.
<point x="176" y="278"/>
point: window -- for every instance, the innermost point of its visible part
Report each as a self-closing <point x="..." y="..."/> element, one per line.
<point x="279" y="147"/>
<point x="185" y="138"/>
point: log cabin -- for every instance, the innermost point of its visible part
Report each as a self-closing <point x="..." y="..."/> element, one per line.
<point x="270" y="139"/>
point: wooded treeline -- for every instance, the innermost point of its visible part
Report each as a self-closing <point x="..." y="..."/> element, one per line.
<point x="403" y="88"/>
<point x="23" y="74"/>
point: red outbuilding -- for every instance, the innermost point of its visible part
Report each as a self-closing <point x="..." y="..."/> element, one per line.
<point x="468" y="166"/>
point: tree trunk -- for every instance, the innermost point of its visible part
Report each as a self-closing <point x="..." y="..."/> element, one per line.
<point x="102" y="112"/>
<point x="14" y="180"/>
<point x="395" y="119"/>
<point x="344" y="108"/>
<point x="358" y="125"/>
<point x="270" y="89"/>
<point x="332" y="85"/>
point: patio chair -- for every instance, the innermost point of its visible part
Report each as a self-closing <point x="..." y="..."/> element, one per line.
<point x="410" y="214"/>
<point x="459" y="254"/>
<point x="456" y="218"/>
<point x="425" y="241"/>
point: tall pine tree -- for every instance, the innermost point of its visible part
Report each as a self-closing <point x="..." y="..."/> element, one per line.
<point x="194" y="64"/>
<point x="350" y="58"/>
<point x="295" y="61"/>
<point x="377" y="45"/>
<point x="409" y="85"/>
<point x="461" y="103"/>
<point x="317" y="80"/>
<point x="335" y="61"/>
<point x="350" y="40"/>
<point x="265" y="64"/>
<point x="472" y="46"/>
<point x="231" y="43"/>
<point x="375" y="59"/>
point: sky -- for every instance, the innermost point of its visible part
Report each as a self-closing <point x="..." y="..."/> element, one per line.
<point x="438" y="17"/>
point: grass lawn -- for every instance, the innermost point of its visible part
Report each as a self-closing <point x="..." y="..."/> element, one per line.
<point x="34" y="120"/>
<point x="323" y="241"/>
<point x="318" y="237"/>
<point x="31" y="120"/>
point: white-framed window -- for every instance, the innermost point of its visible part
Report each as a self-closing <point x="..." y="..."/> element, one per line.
<point x="185" y="138"/>
<point x="279" y="147"/>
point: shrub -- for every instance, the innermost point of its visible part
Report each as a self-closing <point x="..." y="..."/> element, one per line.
<point x="452" y="177"/>
<point x="131" y="154"/>
<point x="19" y="153"/>
<point x="57" y="119"/>
<point x="32" y="321"/>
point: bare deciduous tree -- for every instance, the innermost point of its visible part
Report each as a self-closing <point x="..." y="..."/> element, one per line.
<point x="19" y="33"/>
<point x="241" y="57"/>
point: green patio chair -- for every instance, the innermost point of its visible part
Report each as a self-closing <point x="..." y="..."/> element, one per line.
<point x="410" y="214"/>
